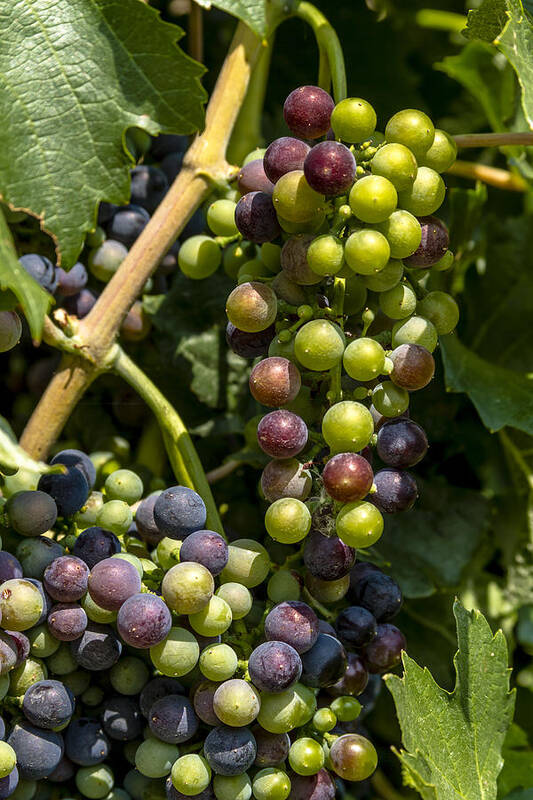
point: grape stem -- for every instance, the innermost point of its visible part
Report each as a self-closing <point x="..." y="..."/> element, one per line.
<point x="223" y="470"/>
<point x="493" y="139"/>
<point x="441" y="20"/>
<point x="314" y="603"/>
<point x="329" y="49"/>
<point x="494" y="176"/>
<point x="196" y="32"/>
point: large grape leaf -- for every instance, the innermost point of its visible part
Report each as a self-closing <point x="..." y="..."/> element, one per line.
<point x="252" y="12"/>
<point x="516" y="42"/>
<point x="453" y="741"/>
<point x="74" y="75"/>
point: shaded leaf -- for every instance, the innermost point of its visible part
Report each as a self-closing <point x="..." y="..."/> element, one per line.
<point x="487" y="21"/>
<point x="516" y="42"/>
<point x="517" y="772"/>
<point x="251" y="12"/>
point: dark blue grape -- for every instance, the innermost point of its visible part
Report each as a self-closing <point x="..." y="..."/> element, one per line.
<point x="249" y="345"/>
<point x="292" y="622"/>
<point x="65" y="579"/>
<point x="127" y="223"/>
<point x="325" y="663"/>
<point x="38" y="751"/>
<point x="272" y="748"/>
<point x="9" y="783"/>
<point x="48" y="704"/>
<point x="148" y="187"/>
<point x="144" y="519"/>
<point x="230" y="751"/>
<point x="172" y="719"/>
<point x="71" y="282"/>
<point x="327" y="557"/>
<point x="8" y="652"/>
<point x="64" y="771"/>
<point x="97" y="649"/>
<point x="207" y="548"/>
<point x="143" y="620"/>
<point x="41" y="269"/>
<point x="80" y="304"/>
<point x="31" y="513"/>
<point x="22" y="643"/>
<point x="256" y="218"/>
<point x="325" y="627"/>
<point x="156" y="689"/>
<point x="401" y="443"/>
<point x="78" y="459"/>
<point x="10" y="567"/>
<point x="356" y="626"/>
<point x="167" y="143"/>
<point x="171" y="166"/>
<point x="105" y="212"/>
<point x="384" y="652"/>
<point x="380" y="594"/>
<point x="179" y="511"/>
<point x="85" y="742"/>
<point x="122" y="719"/>
<point x="94" y="545"/>
<point x="313" y="787"/>
<point x="359" y="573"/>
<point x="112" y="581"/>
<point x="396" y="490"/>
<point x="70" y="491"/>
<point x="274" y="666"/>
<point x="67" y="621"/>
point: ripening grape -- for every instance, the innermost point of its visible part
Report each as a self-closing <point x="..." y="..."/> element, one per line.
<point x="294" y="200"/>
<point x="282" y="434"/>
<point x="255" y="217"/>
<point x="252" y="307"/>
<point x="347" y="477"/>
<point x="353" y="757"/>
<point x="329" y="168"/>
<point x="307" y="112"/>
<point x="253" y="178"/>
<point x="433" y="245"/>
<point x="284" y="155"/>
<point x="441" y="310"/>
<point x="414" y="366"/>
<point x="294" y="260"/>
<point x="285" y="478"/>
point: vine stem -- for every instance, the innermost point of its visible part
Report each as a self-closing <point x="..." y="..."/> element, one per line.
<point x="329" y="48"/>
<point x="493" y="139"/>
<point x="500" y="178"/>
<point x="441" y="20"/>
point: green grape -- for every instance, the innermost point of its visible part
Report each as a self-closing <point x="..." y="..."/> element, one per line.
<point x="218" y="662"/>
<point x="221" y="217"/>
<point x="177" y="654"/>
<point x="412" y="128"/>
<point x="251" y="270"/>
<point x="42" y="643"/>
<point x="236" y="703"/>
<point x="252" y="307"/>
<point x="4" y="685"/>
<point x="288" y="520"/>
<point x="86" y="516"/>
<point x="289" y="291"/>
<point x="346" y="708"/>
<point x="271" y="256"/>
<point x="324" y="720"/>
<point x="25" y="790"/>
<point x="282" y="711"/>
<point x="259" y="152"/>
<point x="355" y="294"/>
<point x="21" y="604"/>
<point x="396" y="163"/>
<point x="213" y="619"/>
<point x="238" y="787"/>
<point x="95" y="782"/>
<point x="359" y="524"/>
<point x="373" y="198"/>
<point x="62" y="661"/>
<point x="390" y="400"/>
<point x="77" y="682"/>
<point x="199" y="257"/>
<point x="306" y="703"/>
<point x="22" y="677"/>
<point x="123" y="484"/>
<point x="441" y="309"/>
<point x="36" y="554"/>
<point x="386" y="279"/>
<point x="188" y="587"/>
<point x="446" y="262"/>
<point x="353" y="757"/>
<point x="294" y="200"/>
<point x="426" y="194"/>
<point x="347" y="427"/>
<point x="93" y="696"/>
<point x="115" y="516"/>
<point x="129" y="750"/>
<point x="95" y="613"/>
<point x="235" y="256"/>
<point x="8" y="759"/>
<point x="399" y="302"/>
<point x="306" y="756"/>
<point x="325" y="255"/>
<point x="271" y="784"/>
<point x="129" y="675"/>
<point x="367" y="251"/>
<point x="238" y="598"/>
<point x="154" y="758"/>
<point x="248" y="563"/>
<point x="106" y="259"/>
<point x="415" y="330"/>
<point x="283" y="585"/>
<point x="441" y="154"/>
<point x="364" y="359"/>
<point x="319" y="345"/>
<point x="403" y="232"/>
<point x="327" y="591"/>
<point x="133" y="560"/>
<point x="168" y="552"/>
<point x="353" y="120"/>
<point x="95" y="238"/>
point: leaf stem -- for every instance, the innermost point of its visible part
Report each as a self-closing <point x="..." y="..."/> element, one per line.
<point x="493" y="139"/>
<point x="494" y="176"/>
<point x="328" y="45"/>
<point x="223" y="470"/>
<point x="441" y="20"/>
<point x="196" y="32"/>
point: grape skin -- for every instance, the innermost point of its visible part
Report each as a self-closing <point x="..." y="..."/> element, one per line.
<point x="143" y="620"/>
<point x="396" y="491"/>
<point x="325" y="663"/>
<point x="327" y="557"/>
<point x="307" y="111"/>
<point x="292" y="622"/>
<point x="253" y="178"/>
<point x="401" y="443"/>
<point x="275" y="382"/>
<point x="172" y="719"/>
<point x="282" y="434"/>
<point x="285" y="478"/>
<point x="274" y="666"/>
<point x="255" y="217"/>
<point x="284" y="155"/>
<point x="329" y="168"/>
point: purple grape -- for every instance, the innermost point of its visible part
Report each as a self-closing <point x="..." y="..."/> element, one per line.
<point x="249" y="345"/>
<point x="203" y="702"/>
<point x="414" y="366"/>
<point x="112" y="581"/>
<point x="127" y="224"/>
<point x="207" y="548"/>
<point x="9" y="783"/>
<point x="70" y="490"/>
<point x="64" y="771"/>
<point x="284" y="155"/>
<point x="401" y="443"/>
<point x="330" y="168"/>
<point x="354" y="680"/>
<point x="356" y="627"/>
<point x="325" y="663"/>
<point x="292" y="622"/>
<point x="80" y="304"/>
<point x="380" y="594"/>
<point x="347" y="477"/>
<point x="67" y="621"/>
<point x="97" y="649"/>
<point x="294" y="261"/>
<point x="173" y="719"/>
<point x="85" y="742"/>
<point x="143" y="620"/>
<point x="385" y="651"/>
<point x="10" y="567"/>
<point x="156" y="689"/>
<point x="256" y="219"/>
<point x="71" y="282"/>
<point x="65" y="579"/>
<point x="179" y="511"/>
<point x="78" y="459"/>
<point x="359" y="573"/>
<point x="148" y="187"/>
<point x="275" y="381"/>
<point x="325" y="627"/>
<point x="94" y="545"/>
<point x="272" y="748"/>
<point x="274" y="666"/>
<point x="252" y="178"/>
<point x="48" y="704"/>
<point x="31" y="513"/>
<point x="144" y="519"/>
<point x="434" y="243"/>
<point x="282" y="434"/>
<point x="230" y="751"/>
<point x="122" y="719"/>
<point x="38" y="751"/>
<point x="313" y="787"/>
<point x="327" y="557"/>
<point x="307" y="112"/>
<point x="396" y="490"/>
<point x="22" y="643"/>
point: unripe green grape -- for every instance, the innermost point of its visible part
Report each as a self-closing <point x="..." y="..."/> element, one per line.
<point x="21" y="604"/>
<point x="176" y="655"/>
<point x="294" y="200"/>
<point x="364" y="359"/>
<point x="199" y="257"/>
<point x="373" y="198"/>
<point x="324" y="720"/>
<point x="441" y="154"/>
<point x="399" y="302"/>
<point x="253" y="155"/>
<point x="251" y="270"/>
<point x="289" y="291"/>
<point x="94" y="782"/>
<point x="386" y="279"/>
<point x="271" y="256"/>
<point x="347" y="427"/>
<point x="415" y="330"/>
<point x="95" y="613"/>
<point x="235" y="256"/>
<point x="42" y="643"/>
<point x="325" y="255"/>
<point x="248" y="563"/>
<point x="22" y="677"/>
<point x="10" y="330"/>
<point x="155" y="758"/>
<point x="8" y="759"/>
<point x="397" y="163"/>
<point x="359" y="524"/>
<point x="288" y="520"/>
<point x="86" y="516"/>
<point x="353" y="120"/>
<point x="412" y="128"/>
<point x="346" y="708"/>
<point x="327" y="591"/>
<point x="403" y="232"/>
<point x="355" y="294"/>
<point x="123" y="484"/>
<point x="283" y="585"/>
<point x="390" y="400"/>
<point x="218" y="662"/>
<point x="426" y="194"/>
<point x="238" y="787"/>
<point x="168" y="552"/>
<point x="62" y="661"/>
<point x="271" y="784"/>
<point x="446" y="262"/>
<point x="312" y="225"/>
<point x="213" y="619"/>
<point x="221" y="217"/>
<point x="441" y="309"/>
<point x="236" y="703"/>
<point x="282" y="711"/>
<point x="367" y="251"/>
<point x="306" y="756"/>
<point x="78" y="682"/>
<point x="238" y="597"/>
<point x="319" y="345"/>
<point x="252" y="307"/>
<point x="115" y="516"/>
<point x="129" y="675"/>
<point x="191" y="774"/>
<point x="106" y="259"/>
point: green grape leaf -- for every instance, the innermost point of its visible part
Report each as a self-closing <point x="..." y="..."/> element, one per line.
<point x="453" y="741"/>
<point x="502" y="397"/>
<point x="516" y="42"/>
<point x="251" y="12"/>
<point x="487" y="21"/>
<point x="517" y="772"/>
<point x="15" y="281"/>
<point x="65" y="119"/>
